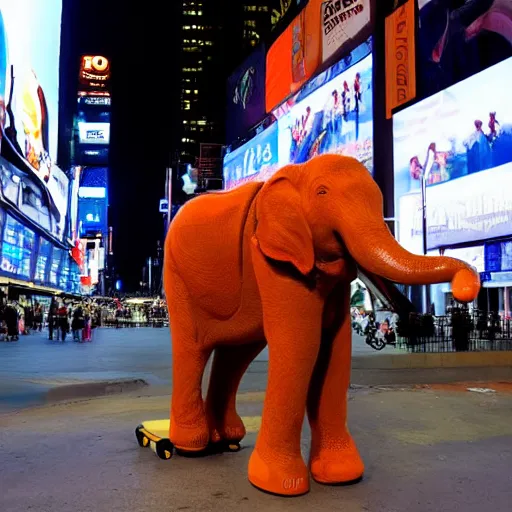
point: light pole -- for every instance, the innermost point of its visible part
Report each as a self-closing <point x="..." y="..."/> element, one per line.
<point x="424" y="177"/>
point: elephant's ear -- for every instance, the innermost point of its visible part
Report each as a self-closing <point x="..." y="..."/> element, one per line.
<point x="282" y="232"/>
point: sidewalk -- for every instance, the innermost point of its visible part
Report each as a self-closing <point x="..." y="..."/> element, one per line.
<point x="425" y="450"/>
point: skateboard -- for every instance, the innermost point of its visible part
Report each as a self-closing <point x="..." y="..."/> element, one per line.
<point x="155" y="435"/>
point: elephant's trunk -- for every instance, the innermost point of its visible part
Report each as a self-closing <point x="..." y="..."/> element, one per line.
<point x="375" y="249"/>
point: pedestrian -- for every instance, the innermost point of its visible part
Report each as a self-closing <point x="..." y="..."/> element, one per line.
<point x="11" y="319"/>
<point x="52" y="318"/>
<point x="38" y="317"/>
<point x="87" y="331"/>
<point x="63" y="322"/>
<point x="77" y="324"/>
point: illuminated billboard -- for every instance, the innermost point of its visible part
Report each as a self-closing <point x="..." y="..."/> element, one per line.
<point x="246" y="95"/>
<point x="29" y="78"/>
<point x="93" y="202"/>
<point x="315" y="37"/>
<point x="459" y="39"/>
<point x="336" y="118"/>
<point x="460" y="140"/>
<point x="94" y="74"/>
<point x="18" y="247"/>
<point x="258" y="159"/>
<point x="333" y="113"/>
<point x="94" y="133"/>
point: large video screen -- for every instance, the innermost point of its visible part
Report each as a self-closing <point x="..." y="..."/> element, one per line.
<point x="29" y="77"/>
<point x="317" y="35"/>
<point x="333" y="113"/>
<point x="18" y="245"/>
<point x="92" y="215"/>
<point x="258" y="159"/>
<point x="457" y="39"/>
<point x="43" y="259"/>
<point x="246" y="95"/>
<point x="460" y="140"/>
<point x="335" y="118"/>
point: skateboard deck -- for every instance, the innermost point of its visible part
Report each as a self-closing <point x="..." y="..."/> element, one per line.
<point x="155" y="434"/>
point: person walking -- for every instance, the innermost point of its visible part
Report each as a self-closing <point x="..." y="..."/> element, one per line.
<point x="87" y="329"/>
<point x="77" y="324"/>
<point x="52" y="318"/>
<point x="63" y="322"/>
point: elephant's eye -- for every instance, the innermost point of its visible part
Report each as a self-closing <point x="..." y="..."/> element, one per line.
<point x="321" y="191"/>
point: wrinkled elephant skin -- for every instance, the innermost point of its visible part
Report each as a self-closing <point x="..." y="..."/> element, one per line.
<point x="272" y="263"/>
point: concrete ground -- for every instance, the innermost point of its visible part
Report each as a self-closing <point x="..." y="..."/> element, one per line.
<point x="35" y="371"/>
<point x="34" y="366"/>
<point x="438" y="450"/>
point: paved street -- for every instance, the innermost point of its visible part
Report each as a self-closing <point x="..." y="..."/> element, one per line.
<point x="425" y="450"/>
<point x="31" y="366"/>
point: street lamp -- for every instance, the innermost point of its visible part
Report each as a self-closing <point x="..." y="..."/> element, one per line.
<point x="424" y="175"/>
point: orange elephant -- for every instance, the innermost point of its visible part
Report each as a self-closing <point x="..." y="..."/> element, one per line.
<point x="272" y="263"/>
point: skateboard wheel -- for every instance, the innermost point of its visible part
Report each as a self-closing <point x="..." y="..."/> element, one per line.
<point x="163" y="448"/>
<point x="141" y="438"/>
<point x="233" y="446"/>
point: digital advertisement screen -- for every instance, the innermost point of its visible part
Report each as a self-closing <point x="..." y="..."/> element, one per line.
<point x="29" y="78"/>
<point x="314" y="37"/>
<point x="460" y="140"/>
<point x="94" y="73"/>
<point x="43" y="260"/>
<point x="92" y="215"/>
<point x="335" y="118"/>
<point x="18" y="245"/>
<point x="498" y="256"/>
<point x="26" y="193"/>
<point x="246" y="95"/>
<point x="55" y="265"/>
<point x="474" y="256"/>
<point x="258" y="159"/>
<point x="64" y="272"/>
<point x="459" y="39"/>
<point x="294" y="56"/>
<point x="94" y="133"/>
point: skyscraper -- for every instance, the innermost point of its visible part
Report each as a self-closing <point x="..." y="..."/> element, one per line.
<point x="216" y="37"/>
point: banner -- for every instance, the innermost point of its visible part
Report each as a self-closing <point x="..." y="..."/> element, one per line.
<point x="342" y="21"/>
<point x="400" y="57"/>
<point x="246" y="95"/>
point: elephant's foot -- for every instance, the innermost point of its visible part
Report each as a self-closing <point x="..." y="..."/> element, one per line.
<point x="189" y="438"/>
<point x="280" y="476"/>
<point x="231" y="428"/>
<point x="336" y="465"/>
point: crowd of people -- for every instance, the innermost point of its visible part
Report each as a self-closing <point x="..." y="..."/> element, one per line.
<point x="76" y="318"/>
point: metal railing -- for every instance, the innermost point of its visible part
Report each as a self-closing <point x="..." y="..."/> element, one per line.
<point x="459" y="331"/>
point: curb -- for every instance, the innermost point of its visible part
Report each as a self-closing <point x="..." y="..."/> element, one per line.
<point x="434" y="360"/>
<point x="93" y="389"/>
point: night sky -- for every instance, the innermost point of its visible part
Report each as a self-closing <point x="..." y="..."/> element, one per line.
<point x="140" y="46"/>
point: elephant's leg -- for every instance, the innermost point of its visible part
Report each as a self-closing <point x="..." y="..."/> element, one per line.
<point x="188" y="428"/>
<point x="334" y="457"/>
<point x="292" y="321"/>
<point x="229" y="365"/>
